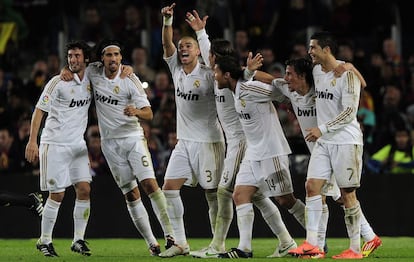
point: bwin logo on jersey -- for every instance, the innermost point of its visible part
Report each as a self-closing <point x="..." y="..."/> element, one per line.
<point x="307" y="112"/>
<point x="77" y="103"/>
<point x="106" y="99"/>
<point x="187" y="96"/>
<point x="220" y="99"/>
<point x="324" y="94"/>
<point x="245" y="116"/>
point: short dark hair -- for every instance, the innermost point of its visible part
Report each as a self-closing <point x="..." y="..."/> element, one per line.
<point x="326" y="39"/>
<point x="302" y="67"/>
<point x="107" y="42"/>
<point x="230" y="64"/>
<point x="222" y="47"/>
<point x="82" y="45"/>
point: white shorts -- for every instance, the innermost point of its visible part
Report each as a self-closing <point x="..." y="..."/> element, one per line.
<point x="330" y="188"/>
<point x="343" y="161"/>
<point x="196" y="162"/>
<point x="234" y="155"/>
<point x="271" y="176"/>
<point x="129" y="159"/>
<point x="62" y="166"/>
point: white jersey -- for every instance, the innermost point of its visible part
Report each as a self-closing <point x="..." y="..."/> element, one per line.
<point x="196" y="108"/>
<point x="111" y="97"/>
<point x="303" y="106"/>
<point x="226" y="112"/>
<point x="67" y="105"/>
<point x="260" y="121"/>
<point x="337" y="101"/>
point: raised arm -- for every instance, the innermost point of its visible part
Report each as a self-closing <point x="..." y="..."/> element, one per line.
<point x="199" y="25"/>
<point x="252" y="64"/>
<point x="167" y="30"/>
<point x="264" y="77"/>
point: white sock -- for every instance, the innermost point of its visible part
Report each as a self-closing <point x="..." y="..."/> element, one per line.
<point x="212" y="208"/>
<point x="50" y="213"/>
<point x="224" y="218"/>
<point x="367" y="232"/>
<point x="175" y="211"/>
<point x="353" y="226"/>
<point x="81" y="213"/>
<point x="272" y="216"/>
<point x="245" y="219"/>
<point x="159" y="205"/>
<point x="323" y="226"/>
<point x="313" y="216"/>
<point x="140" y="218"/>
<point x="298" y="211"/>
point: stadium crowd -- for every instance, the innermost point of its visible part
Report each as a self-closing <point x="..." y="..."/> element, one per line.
<point x="32" y="51"/>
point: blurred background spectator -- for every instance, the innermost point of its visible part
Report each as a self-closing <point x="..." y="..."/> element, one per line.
<point x="396" y="157"/>
<point x="98" y="164"/>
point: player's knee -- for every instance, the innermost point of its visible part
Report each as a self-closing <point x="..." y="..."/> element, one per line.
<point x="286" y="201"/>
<point x="132" y="195"/>
<point x="223" y="192"/>
<point x="313" y="187"/>
<point x="149" y="185"/>
<point x="83" y="191"/>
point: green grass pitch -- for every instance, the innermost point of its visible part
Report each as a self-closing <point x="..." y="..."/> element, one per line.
<point x="394" y="249"/>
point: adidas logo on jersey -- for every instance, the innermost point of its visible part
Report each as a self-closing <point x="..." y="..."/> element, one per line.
<point x="77" y="103"/>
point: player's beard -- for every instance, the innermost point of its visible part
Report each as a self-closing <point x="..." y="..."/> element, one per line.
<point x="113" y="67"/>
<point x="76" y="68"/>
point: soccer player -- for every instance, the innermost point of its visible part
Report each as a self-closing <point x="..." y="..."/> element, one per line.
<point x="199" y="153"/>
<point x="121" y="104"/>
<point x="265" y="166"/>
<point x="338" y="148"/>
<point x="299" y="89"/>
<point x="62" y="152"/>
<point x="33" y="201"/>
<point x="236" y="145"/>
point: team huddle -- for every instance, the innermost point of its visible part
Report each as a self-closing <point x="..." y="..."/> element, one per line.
<point x="230" y="142"/>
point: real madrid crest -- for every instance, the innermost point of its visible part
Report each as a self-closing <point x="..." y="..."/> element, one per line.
<point x="116" y="90"/>
<point x="243" y="103"/>
<point x="196" y="83"/>
<point x="333" y="82"/>
<point x="89" y="88"/>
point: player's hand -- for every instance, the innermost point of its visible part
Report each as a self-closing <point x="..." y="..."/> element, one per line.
<point x="66" y="74"/>
<point x="342" y="68"/>
<point x="126" y="70"/>
<point x="131" y="110"/>
<point x="194" y="20"/>
<point x="254" y="63"/>
<point x="313" y="134"/>
<point x="168" y="10"/>
<point x="32" y="152"/>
